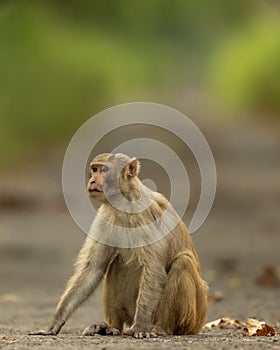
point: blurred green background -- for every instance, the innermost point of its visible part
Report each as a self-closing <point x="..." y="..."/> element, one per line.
<point x="63" y="61"/>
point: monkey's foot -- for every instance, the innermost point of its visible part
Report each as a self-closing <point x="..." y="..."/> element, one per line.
<point x="139" y="333"/>
<point x="101" y="328"/>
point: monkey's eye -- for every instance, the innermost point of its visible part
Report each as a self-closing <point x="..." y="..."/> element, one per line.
<point x="94" y="169"/>
<point x="105" y="169"/>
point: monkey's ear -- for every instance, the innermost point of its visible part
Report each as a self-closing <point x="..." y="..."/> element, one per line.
<point x="132" y="168"/>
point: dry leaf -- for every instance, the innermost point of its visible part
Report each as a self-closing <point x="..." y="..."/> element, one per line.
<point x="258" y="328"/>
<point x="224" y="322"/>
<point x="213" y="324"/>
<point x="251" y="327"/>
<point x="269" y="277"/>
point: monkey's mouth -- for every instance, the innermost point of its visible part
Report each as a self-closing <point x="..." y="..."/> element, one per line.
<point x="94" y="190"/>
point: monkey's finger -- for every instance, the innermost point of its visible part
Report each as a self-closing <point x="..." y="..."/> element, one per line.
<point x="112" y="331"/>
<point x="153" y="335"/>
<point x="92" y="330"/>
<point x="139" y="335"/>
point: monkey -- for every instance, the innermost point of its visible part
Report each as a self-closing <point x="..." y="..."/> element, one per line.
<point x="153" y="283"/>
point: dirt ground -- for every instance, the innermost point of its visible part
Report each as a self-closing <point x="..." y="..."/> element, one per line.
<point x="240" y="238"/>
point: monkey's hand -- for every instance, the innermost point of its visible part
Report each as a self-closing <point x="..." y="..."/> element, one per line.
<point x="101" y="328"/>
<point x="53" y="330"/>
<point x="140" y="332"/>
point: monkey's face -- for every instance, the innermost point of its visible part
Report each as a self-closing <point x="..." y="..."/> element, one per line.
<point x="106" y="180"/>
<point x="104" y="175"/>
<point x="98" y="171"/>
<point x="110" y="175"/>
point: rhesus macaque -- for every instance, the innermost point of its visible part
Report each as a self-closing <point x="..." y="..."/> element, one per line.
<point x="153" y="285"/>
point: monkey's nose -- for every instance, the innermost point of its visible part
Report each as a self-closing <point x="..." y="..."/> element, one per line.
<point x="92" y="181"/>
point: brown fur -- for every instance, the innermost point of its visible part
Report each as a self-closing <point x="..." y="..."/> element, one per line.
<point x="148" y="290"/>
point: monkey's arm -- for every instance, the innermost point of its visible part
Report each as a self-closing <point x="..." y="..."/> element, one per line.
<point x="152" y="282"/>
<point x="91" y="266"/>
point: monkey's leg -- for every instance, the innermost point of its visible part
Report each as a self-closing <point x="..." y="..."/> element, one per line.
<point x="183" y="306"/>
<point x="151" y="286"/>
<point x="115" y="314"/>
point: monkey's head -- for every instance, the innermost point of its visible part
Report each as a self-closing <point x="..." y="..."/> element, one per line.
<point x="112" y="174"/>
